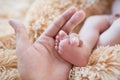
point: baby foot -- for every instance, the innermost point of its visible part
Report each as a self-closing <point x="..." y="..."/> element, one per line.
<point x="74" y="41"/>
<point x="70" y="48"/>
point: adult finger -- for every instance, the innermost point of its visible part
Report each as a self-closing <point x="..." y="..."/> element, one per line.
<point x="22" y="40"/>
<point x="54" y="28"/>
<point x="74" y="21"/>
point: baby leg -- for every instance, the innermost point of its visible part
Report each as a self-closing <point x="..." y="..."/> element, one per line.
<point x="91" y="31"/>
<point x="111" y="36"/>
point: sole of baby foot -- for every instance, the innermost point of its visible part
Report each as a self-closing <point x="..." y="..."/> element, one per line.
<point x="61" y="35"/>
<point x="74" y="54"/>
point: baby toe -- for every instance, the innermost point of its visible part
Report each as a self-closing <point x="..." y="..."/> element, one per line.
<point x="62" y="35"/>
<point x="74" y="41"/>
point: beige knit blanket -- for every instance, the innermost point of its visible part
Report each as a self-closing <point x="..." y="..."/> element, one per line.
<point x="104" y="63"/>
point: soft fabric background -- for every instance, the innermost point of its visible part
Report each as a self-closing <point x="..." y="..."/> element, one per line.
<point x="104" y="63"/>
<point x="12" y="9"/>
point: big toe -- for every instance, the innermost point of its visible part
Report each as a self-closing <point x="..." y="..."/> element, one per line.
<point x="75" y="41"/>
<point x="62" y="35"/>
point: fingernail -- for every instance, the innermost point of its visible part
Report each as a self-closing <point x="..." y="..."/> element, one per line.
<point x="80" y="13"/>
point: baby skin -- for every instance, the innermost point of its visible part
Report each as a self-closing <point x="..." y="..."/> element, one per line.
<point x="99" y="30"/>
<point x="96" y="31"/>
<point x="72" y="49"/>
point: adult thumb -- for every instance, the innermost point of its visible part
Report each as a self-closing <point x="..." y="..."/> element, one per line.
<point x="22" y="38"/>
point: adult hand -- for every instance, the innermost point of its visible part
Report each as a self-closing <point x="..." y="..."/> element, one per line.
<point x="40" y="60"/>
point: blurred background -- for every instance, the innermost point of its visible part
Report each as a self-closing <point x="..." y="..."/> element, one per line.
<point x="12" y="9"/>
